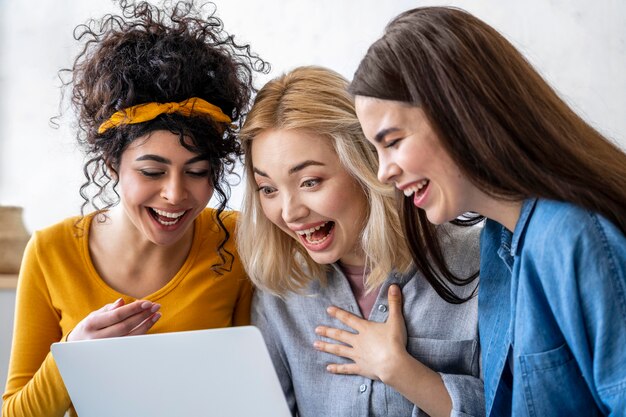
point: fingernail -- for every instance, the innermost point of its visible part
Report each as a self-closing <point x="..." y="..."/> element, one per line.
<point x="330" y="310"/>
<point x="146" y="305"/>
<point x="155" y="308"/>
<point x="156" y="317"/>
<point x="119" y="300"/>
<point x="318" y="330"/>
<point x="394" y="290"/>
<point x="317" y="345"/>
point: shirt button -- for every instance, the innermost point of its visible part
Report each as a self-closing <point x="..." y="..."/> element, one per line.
<point x="362" y="388"/>
<point x="382" y="308"/>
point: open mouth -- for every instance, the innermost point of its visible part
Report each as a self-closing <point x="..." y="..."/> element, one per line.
<point x="166" y="218"/>
<point x="318" y="234"/>
<point x="419" y="188"/>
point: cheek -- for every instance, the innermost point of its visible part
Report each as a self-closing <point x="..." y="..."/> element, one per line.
<point x="132" y="189"/>
<point x="204" y="192"/>
<point x="348" y="207"/>
<point x="271" y="211"/>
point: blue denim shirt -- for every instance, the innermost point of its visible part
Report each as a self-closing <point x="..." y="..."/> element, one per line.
<point x="552" y="314"/>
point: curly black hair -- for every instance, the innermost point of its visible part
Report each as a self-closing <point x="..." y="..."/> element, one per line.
<point x="151" y="54"/>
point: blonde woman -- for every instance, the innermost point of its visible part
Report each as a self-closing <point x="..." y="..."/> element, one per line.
<point x="351" y="327"/>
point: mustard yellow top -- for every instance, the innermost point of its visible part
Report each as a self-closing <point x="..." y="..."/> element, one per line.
<point x="58" y="286"/>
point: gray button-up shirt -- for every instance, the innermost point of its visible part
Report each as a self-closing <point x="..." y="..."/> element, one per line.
<point x="442" y="336"/>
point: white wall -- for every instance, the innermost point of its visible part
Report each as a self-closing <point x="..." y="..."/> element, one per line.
<point x="579" y="47"/>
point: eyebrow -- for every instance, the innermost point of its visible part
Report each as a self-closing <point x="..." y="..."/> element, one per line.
<point x="303" y="165"/>
<point x="381" y="135"/>
<point x="294" y="169"/>
<point x="157" y="158"/>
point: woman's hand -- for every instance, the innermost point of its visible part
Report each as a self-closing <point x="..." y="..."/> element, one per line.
<point x="374" y="347"/>
<point x="117" y="319"/>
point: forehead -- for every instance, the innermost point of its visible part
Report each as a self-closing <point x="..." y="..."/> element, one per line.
<point x="277" y="147"/>
<point x="380" y="107"/>
<point x="376" y="114"/>
<point x="160" y="140"/>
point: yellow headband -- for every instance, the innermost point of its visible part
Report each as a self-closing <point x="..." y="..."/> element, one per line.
<point x="149" y="111"/>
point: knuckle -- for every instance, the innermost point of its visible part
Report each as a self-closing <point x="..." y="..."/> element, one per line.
<point x="332" y="333"/>
<point x="333" y="348"/>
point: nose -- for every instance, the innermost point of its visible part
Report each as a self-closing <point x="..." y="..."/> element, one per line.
<point x="174" y="190"/>
<point x="293" y="209"/>
<point x="387" y="170"/>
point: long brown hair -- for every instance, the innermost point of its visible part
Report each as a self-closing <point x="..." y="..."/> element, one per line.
<point x="502" y="124"/>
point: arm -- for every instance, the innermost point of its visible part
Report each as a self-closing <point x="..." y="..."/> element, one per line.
<point x="379" y="352"/>
<point x="599" y="266"/>
<point x="272" y="341"/>
<point x="34" y="385"/>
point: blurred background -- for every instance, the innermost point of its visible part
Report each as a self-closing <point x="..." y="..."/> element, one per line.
<point x="579" y="47"/>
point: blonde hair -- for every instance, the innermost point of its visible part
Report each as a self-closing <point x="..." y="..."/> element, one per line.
<point x="315" y="99"/>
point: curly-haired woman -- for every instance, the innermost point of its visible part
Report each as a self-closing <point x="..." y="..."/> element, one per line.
<point x="159" y="95"/>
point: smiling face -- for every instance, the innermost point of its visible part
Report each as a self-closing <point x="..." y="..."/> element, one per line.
<point x="305" y="191"/>
<point x="163" y="187"/>
<point x="411" y="156"/>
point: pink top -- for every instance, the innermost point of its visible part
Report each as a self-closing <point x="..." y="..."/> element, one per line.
<point x="356" y="277"/>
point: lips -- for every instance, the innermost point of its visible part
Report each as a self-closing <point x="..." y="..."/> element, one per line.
<point x="317" y="238"/>
<point x="416" y="187"/>
<point x="317" y="234"/>
<point x="167" y="218"/>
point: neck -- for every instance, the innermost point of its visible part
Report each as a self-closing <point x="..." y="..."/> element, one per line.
<point x="502" y="211"/>
<point x="353" y="259"/>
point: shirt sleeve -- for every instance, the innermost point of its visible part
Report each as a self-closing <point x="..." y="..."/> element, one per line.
<point x="260" y="307"/>
<point x="34" y="384"/>
<point x="466" y="393"/>
<point x="599" y="267"/>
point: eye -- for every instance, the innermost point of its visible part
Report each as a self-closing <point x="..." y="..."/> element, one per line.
<point x="392" y="143"/>
<point x="310" y="183"/>
<point x="266" y="190"/>
<point x="201" y="173"/>
<point x="151" y="173"/>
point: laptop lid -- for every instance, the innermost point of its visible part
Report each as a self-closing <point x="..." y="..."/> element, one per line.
<point x="219" y="372"/>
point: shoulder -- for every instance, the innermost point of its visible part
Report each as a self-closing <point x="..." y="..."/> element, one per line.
<point x="208" y="220"/>
<point x="561" y="223"/>
<point x="564" y="234"/>
<point x="69" y="228"/>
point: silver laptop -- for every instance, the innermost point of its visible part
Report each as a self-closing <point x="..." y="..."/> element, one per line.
<point x="219" y="372"/>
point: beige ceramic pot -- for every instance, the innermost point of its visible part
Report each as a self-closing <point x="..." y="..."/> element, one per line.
<point x="13" y="239"/>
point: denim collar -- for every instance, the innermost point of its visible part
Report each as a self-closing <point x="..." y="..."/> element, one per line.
<point x="510" y="242"/>
<point x="520" y="228"/>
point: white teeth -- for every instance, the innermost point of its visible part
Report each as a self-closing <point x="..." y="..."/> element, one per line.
<point x="169" y="215"/>
<point x="308" y="232"/>
<point x="174" y="216"/>
<point x="317" y="242"/>
<point x="415" y="188"/>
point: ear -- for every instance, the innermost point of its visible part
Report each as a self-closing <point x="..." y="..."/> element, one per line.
<point x="111" y="170"/>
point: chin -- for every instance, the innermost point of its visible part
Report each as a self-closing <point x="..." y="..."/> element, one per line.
<point x="436" y="217"/>
<point x="323" y="259"/>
